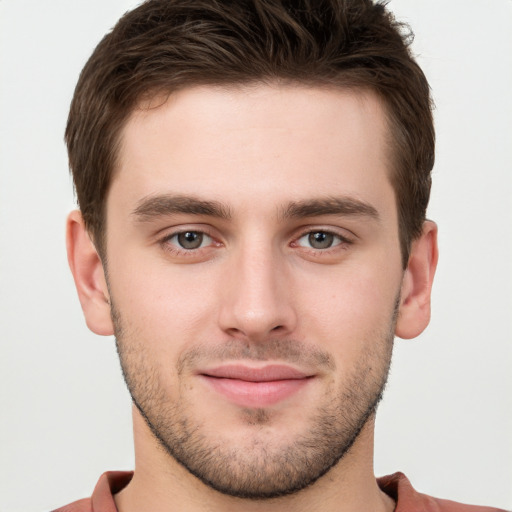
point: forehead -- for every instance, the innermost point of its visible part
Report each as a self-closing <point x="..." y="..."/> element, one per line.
<point x="271" y="142"/>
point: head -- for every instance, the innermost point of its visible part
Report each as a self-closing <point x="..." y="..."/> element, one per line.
<point x="165" y="46"/>
<point x="254" y="177"/>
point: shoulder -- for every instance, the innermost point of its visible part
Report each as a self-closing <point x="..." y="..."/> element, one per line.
<point x="102" y="499"/>
<point x="407" y="499"/>
<point x="84" y="505"/>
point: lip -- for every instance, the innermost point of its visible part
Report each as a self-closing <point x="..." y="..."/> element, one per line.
<point x="255" y="387"/>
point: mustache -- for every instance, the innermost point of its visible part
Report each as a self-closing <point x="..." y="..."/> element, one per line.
<point x="292" y="351"/>
<point x="284" y="350"/>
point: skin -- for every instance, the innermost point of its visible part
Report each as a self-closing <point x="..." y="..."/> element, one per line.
<point x="257" y="286"/>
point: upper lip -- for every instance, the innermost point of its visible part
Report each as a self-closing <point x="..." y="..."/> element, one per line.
<point x="266" y="373"/>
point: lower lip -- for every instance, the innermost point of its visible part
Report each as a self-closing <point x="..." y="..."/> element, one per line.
<point x="256" y="394"/>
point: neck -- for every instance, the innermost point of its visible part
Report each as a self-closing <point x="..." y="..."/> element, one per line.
<point x="160" y="483"/>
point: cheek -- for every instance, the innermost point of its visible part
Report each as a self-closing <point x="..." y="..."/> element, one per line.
<point x="354" y="309"/>
<point x="161" y="317"/>
<point x="161" y="298"/>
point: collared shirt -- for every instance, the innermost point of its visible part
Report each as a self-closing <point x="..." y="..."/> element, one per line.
<point x="397" y="486"/>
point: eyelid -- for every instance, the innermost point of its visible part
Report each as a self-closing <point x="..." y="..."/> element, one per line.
<point x="176" y="250"/>
<point x="172" y="230"/>
<point x="346" y="236"/>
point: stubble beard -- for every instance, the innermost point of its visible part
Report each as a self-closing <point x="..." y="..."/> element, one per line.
<point x="262" y="468"/>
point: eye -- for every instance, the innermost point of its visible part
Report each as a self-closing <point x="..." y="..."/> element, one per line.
<point x="190" y="240"/>
<point x="320" y="240"/>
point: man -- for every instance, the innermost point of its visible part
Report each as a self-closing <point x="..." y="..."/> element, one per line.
<point x="253" y="180"/>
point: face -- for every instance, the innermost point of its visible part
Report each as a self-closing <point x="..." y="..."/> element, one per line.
<point x="254" y="275"/>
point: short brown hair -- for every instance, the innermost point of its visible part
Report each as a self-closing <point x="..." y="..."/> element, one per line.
<point x="166" y="45"/>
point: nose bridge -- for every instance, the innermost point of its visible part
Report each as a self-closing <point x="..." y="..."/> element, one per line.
<point x="256" y="302"/>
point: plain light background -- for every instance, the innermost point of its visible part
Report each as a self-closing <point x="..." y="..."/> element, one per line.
<point x="446" y="420"/>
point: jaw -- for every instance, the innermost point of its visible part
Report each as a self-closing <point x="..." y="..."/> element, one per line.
<point x="160" y="480"/>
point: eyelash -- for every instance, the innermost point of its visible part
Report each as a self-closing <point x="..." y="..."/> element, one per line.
<point x="342" y="242"/>
<point x="174" y="249"/>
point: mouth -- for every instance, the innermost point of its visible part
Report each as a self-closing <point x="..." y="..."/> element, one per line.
<point x="255" y="387"/>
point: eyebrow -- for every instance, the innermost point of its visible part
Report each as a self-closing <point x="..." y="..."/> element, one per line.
<point x="168" y="204"/>
<point x="330" y="206"/>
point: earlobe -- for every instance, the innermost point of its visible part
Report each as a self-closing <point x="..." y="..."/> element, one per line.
<point x="414" y="310"/>
<point x="87" y="270"/>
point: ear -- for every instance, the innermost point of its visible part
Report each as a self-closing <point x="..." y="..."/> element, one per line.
<point x="414" y="311"/>
<point x="89" y="276"/>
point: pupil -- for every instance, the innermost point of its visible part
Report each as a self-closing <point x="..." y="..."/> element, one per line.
<point x="320" y="240"/>
<point x="190" y="239"/>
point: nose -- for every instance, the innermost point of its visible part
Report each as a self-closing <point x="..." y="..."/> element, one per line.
<point x="257" y="296"/>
